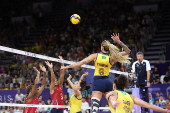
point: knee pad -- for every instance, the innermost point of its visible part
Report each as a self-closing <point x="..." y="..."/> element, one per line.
<point x="95" y="104"/>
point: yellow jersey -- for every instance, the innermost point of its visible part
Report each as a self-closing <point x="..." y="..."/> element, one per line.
<point x="126" y="103"/>
<point x="102" y="65"/>
<point x="75" y="104"/>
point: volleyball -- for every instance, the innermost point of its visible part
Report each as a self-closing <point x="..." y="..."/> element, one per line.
<point x="75" y="19"/>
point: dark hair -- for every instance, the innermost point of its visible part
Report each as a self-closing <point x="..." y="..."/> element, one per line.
<point x="28" y="89"/>
<point x="139" y="53"/>
<point x="82" y="84"/>
<point x="121" y="82"/>
<point x="166" y="79"/>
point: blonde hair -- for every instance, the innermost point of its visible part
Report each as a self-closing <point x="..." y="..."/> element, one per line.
<point x="114" y="52"/>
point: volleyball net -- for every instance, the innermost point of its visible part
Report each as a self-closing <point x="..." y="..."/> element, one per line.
<point x="21" y="52"/>
<point x="47" y="58"/>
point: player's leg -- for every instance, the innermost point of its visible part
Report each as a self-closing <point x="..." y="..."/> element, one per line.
<point x="59" y="110"/>
<point x="146" y="98"/>
<point x="53" y="110"/>
<point x="96" y="97"/>
<point x="97" y="91"/>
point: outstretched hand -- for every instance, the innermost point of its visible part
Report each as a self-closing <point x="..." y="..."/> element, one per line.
<point x="38" y="75"/>
<point x="50" y="65"/>
<point x="69" y="77"/>
<point x="85" y="74"/>
<point x="115" y="37"/>
<point x="36" y="70"/>
<point x="60" y="57"/>
<point x="42" y="68"/>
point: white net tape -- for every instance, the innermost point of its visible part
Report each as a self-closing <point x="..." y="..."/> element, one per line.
<point x="44" y="106"/>
<point x="3" y="48"/>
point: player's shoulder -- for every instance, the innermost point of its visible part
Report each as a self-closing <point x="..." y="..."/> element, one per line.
<point x="145" y="61"/>
<point x="135" y="62"/>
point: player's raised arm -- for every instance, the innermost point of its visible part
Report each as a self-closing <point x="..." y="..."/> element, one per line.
<point x="53" y="78"/>
<point x="83" y="75"/>
<point x="116" y="38"/>
<point x="82" y="62"/>
<point x="35" y="86"/>
<point x="62" y="72"/>
<point x="144" y="104"/>
<point x="43" y="81"/>
<point x="74" y="87"/>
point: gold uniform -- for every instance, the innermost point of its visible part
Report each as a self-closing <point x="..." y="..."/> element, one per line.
<point x="102" y="65"/>
<point x="126" y="103"/>
<point x="75" y="104"/>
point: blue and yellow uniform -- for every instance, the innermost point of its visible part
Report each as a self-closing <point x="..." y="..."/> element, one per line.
<point x="126" y="103"/>
<point x="75" y="104"/>
<point x="101" y="81"/>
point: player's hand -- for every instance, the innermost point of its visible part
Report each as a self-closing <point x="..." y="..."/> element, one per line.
<point x="60" y="57"/>
<point x="115" y="104"/>
<point x="69" y="77"/>
<point x="42" y="68"/>
<point x="50" y="65"/>
<point x="148" y="84"/>
<point x="168" y="111"/>
<point x="115" y="37"/>
<point x="85" y="74"/>
<point x="38" y="75"/>
<point x="36" y="70"/>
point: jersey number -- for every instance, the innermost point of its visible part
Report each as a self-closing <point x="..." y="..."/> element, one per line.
<point x="101" y="71"/>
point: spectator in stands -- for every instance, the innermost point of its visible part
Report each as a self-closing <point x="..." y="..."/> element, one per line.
<point x="4" y="108"/>
<point x="168" y="91"/>
<point x="85" y="104"/>
<point x="156" y="102"/>
<point x="151" y="100"/>
<point x="161" y="99"/>
<point x="84" y="93"/>
<point x="167" y="74"/>
<point x="19" y="96"/>
<point x="21" y="79"/>
<point x="158" y="81"/>
<point x="167" y="104"/>
<point x="40" y="99"/>
<point x="3" y="87"/>
<point x="156" y="73"/>
<point x="42" y="109"/>
<point x="70" y="91"/>
<point x="168" y="70"/>
<point x="166" y="80"/>
<point x="89" y="99"/>
<point x="169" y="96"/>
<point x="90" y="89"/>
<point x="49" y="101"/>
<point x="157" y="96"/>
<point x="2" y="79"/>
<point x="18" y="110"/>
<point x="66" y="99"/>
<point x="11" y="100"/>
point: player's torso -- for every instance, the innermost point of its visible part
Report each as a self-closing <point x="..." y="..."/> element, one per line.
<point x="126" y="103"/>
<point x="31" y="109"/>
<point x="102" y="65"/>
<point x="75" y="104"/>
<point x="58" y="96"/>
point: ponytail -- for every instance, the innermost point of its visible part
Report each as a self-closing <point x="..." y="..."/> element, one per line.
<point x="114" y="53"/>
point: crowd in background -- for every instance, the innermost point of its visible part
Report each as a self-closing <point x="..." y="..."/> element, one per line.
<point x="74" y="43"/>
